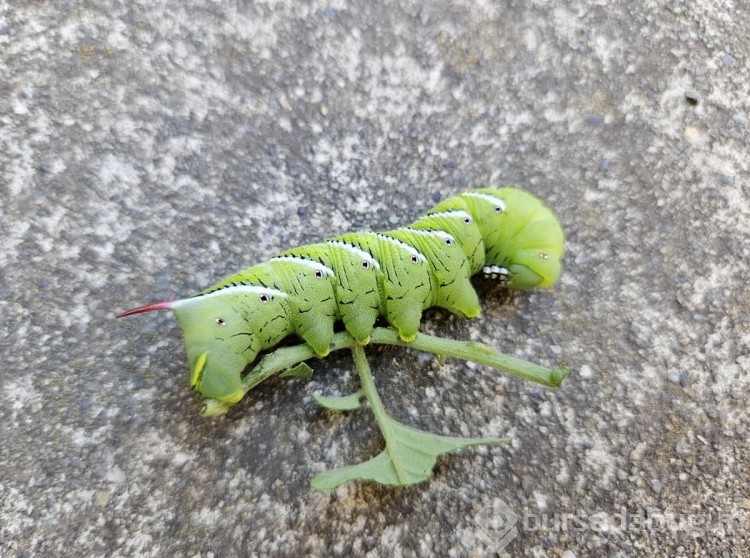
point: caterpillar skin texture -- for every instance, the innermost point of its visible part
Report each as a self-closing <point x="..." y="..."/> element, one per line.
<point x="356" y="278"/>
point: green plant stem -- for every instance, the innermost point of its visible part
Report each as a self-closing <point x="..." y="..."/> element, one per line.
<point x="286" y="357"/>
<point x="479" y="353"/>
<point x="378" y="409"/>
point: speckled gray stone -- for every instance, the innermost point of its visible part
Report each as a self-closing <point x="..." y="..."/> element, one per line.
<point x="149" y="148"/>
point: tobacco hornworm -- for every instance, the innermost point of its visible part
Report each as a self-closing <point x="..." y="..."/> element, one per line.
<point x="506" y="234"/>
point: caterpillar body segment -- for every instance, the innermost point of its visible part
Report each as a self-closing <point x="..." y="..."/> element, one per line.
<point x="223" y="341"/>
<point x="404" y="281"/>
<point x="448" y="270"/>
<point x="357" y="283"/>
<point x="356" y="278"/>
<point x="460" y="225"/>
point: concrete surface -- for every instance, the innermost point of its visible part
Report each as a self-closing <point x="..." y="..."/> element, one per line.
<point x="150" y="148"/>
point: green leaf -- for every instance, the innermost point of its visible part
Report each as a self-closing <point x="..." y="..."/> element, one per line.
<point x="302" y="370"/>
<point x="345" y="403"/>
<point x="409" y="455"/>
<point x="408" y="458"/>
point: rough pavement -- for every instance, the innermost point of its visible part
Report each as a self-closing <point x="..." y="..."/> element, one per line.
<point x="148" y="149"/>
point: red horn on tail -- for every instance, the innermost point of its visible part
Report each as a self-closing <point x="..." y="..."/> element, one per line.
<point x="166" y="305"/>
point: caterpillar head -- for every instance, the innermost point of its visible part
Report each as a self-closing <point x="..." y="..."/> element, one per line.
<point x="224" y="331"/>
<point x="522" y="236"/>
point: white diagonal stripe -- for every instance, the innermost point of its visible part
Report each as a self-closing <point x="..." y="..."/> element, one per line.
<point x="234" y="289"/>
<point x="496" y="202"/>
<point x="354" y="250"/>
<point x="304" y="261"/>
<point x="450" y="214"/>
<point x="431" y="232"/>
<point x="403" y="245"/>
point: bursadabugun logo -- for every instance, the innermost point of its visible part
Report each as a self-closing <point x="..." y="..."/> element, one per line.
<point x="497" y="525"/>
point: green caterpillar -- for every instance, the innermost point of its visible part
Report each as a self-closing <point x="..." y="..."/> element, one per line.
<point x="506" y="234"/>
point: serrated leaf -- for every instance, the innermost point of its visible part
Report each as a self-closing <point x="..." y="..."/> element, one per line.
<point x="302" y="370"/>
<point x="344" y="403"/>
<point x="408" y="458"/>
